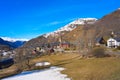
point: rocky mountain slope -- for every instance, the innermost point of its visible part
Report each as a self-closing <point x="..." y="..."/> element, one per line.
<point x="109" y="23"/>
<point x="101" y="28"/>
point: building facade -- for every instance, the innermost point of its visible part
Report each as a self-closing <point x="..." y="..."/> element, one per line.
<point x="113" y="42"/>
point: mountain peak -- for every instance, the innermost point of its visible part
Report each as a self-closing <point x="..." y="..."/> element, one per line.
<point x="71" y="26"/>
<point x="82" y="21"/>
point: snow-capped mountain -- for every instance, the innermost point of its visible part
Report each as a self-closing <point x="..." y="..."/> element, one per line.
<point x="13" y="39"/>
<point x="72" y="25"/>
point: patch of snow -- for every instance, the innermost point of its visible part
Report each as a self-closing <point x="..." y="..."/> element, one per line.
<point x="52" y="73"/>
<point x="42" y="64"/>
<point x="46" y="63"/>
<point x="4" y="53"/>
<point x="39" y="64"/>
<point x="13" y="39"/>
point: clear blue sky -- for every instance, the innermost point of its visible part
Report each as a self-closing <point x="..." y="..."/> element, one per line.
<point x="31" y="18"/>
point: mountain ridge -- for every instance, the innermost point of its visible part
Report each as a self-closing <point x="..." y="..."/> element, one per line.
<point x="72" y="25"/>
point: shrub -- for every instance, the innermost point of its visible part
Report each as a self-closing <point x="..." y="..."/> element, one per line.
<point x="98" y="52"/>
<point x="118" y="47"/>
<point x="67" y="49"/>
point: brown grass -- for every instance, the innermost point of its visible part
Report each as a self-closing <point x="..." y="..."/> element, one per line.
<point x="94" y="69"/>
<point x="8" y="71"/>
<point x="85" y="69"/>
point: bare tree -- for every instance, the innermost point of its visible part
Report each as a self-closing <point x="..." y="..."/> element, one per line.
<point x="22" y="58"/>
<point x="86" y="41"/>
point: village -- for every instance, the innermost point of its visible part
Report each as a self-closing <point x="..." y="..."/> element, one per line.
<point x="111" y="43"/>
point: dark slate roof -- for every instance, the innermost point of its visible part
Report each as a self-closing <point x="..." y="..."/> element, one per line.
<point x="117" y="39"/>
<point x="99" y="39"/>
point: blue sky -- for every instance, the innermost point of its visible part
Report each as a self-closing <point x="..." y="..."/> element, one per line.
<point x="31" y="18"/>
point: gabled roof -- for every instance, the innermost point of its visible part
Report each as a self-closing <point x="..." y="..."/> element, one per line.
<point x="116" y="38"/>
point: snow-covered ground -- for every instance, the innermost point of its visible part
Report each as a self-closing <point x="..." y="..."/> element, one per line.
<point x="53" y="73"/>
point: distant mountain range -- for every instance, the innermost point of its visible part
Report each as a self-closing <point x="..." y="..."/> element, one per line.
<point x="13" y="39"/>
<point x="11" y="43"/>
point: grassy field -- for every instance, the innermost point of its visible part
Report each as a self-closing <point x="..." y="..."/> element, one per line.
<point x="79" y="68"/>
<point x="86" y="69"/>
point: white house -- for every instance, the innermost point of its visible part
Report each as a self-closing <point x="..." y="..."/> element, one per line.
<point x="113" y="42"/>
